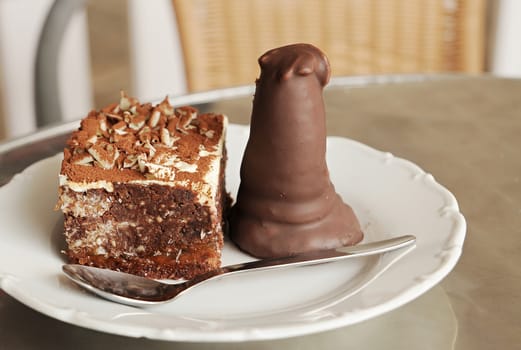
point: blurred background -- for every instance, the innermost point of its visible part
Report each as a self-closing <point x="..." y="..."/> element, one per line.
<point x="59" y="59"/>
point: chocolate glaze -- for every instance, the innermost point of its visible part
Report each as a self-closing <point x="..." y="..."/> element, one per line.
<point x="286" y="202"/>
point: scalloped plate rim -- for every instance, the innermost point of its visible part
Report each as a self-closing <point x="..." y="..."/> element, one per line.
<point x="9" y="283"/>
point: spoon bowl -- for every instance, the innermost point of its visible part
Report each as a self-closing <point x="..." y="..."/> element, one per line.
<point x="140" y="291"/>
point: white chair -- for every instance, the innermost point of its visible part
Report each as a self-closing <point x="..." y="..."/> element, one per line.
<point x="20" y="27"/>
<point x="45" y="64"/>
<point x="505" y="45"/>
<point x="156" y="54"/>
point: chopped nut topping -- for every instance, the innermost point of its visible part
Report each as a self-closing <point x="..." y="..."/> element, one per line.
<point x="130" y="161"/>
<point x="143" y="137"/>
<point x="119" y="128"/>
<point x="137" y="122"/>
<point x="113" y="116"/>
<point x="82" y="159"/>
<point x="105" y="154"/>
<point x="125" y="103"/>
<point x="186" y="114"/>
<point x="166" y="108"/>
<point x="165" y="138"/>
<point x="154" y="118"/>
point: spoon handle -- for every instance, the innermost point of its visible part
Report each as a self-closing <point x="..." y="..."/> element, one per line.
<point x="301" y="259"/>
<point x="323" y="256"/>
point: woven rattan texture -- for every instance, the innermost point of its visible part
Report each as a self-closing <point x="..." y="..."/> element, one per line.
<point x="222" y="39"/>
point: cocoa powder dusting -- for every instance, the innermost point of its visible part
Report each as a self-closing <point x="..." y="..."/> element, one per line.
<point x="122" y="141"/>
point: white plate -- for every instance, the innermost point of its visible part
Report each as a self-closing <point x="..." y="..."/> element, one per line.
<point x="391" y="197"/>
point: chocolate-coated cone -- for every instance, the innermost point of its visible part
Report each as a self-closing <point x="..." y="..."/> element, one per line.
<point x="286" y="203"/>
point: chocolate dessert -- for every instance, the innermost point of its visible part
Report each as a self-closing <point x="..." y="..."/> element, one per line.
<point x="286" y="202"/>
<point x="142" y="190"/>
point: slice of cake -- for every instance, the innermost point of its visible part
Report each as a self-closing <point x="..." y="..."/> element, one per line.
<point x="142" y="190"/>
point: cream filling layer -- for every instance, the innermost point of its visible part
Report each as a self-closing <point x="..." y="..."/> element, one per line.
<point x="206" y="188"/>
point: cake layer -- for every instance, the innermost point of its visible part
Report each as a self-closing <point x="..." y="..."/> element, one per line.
<point x="155" y="231"/>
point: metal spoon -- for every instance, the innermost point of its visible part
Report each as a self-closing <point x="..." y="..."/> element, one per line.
<point x="140" y="291"/>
